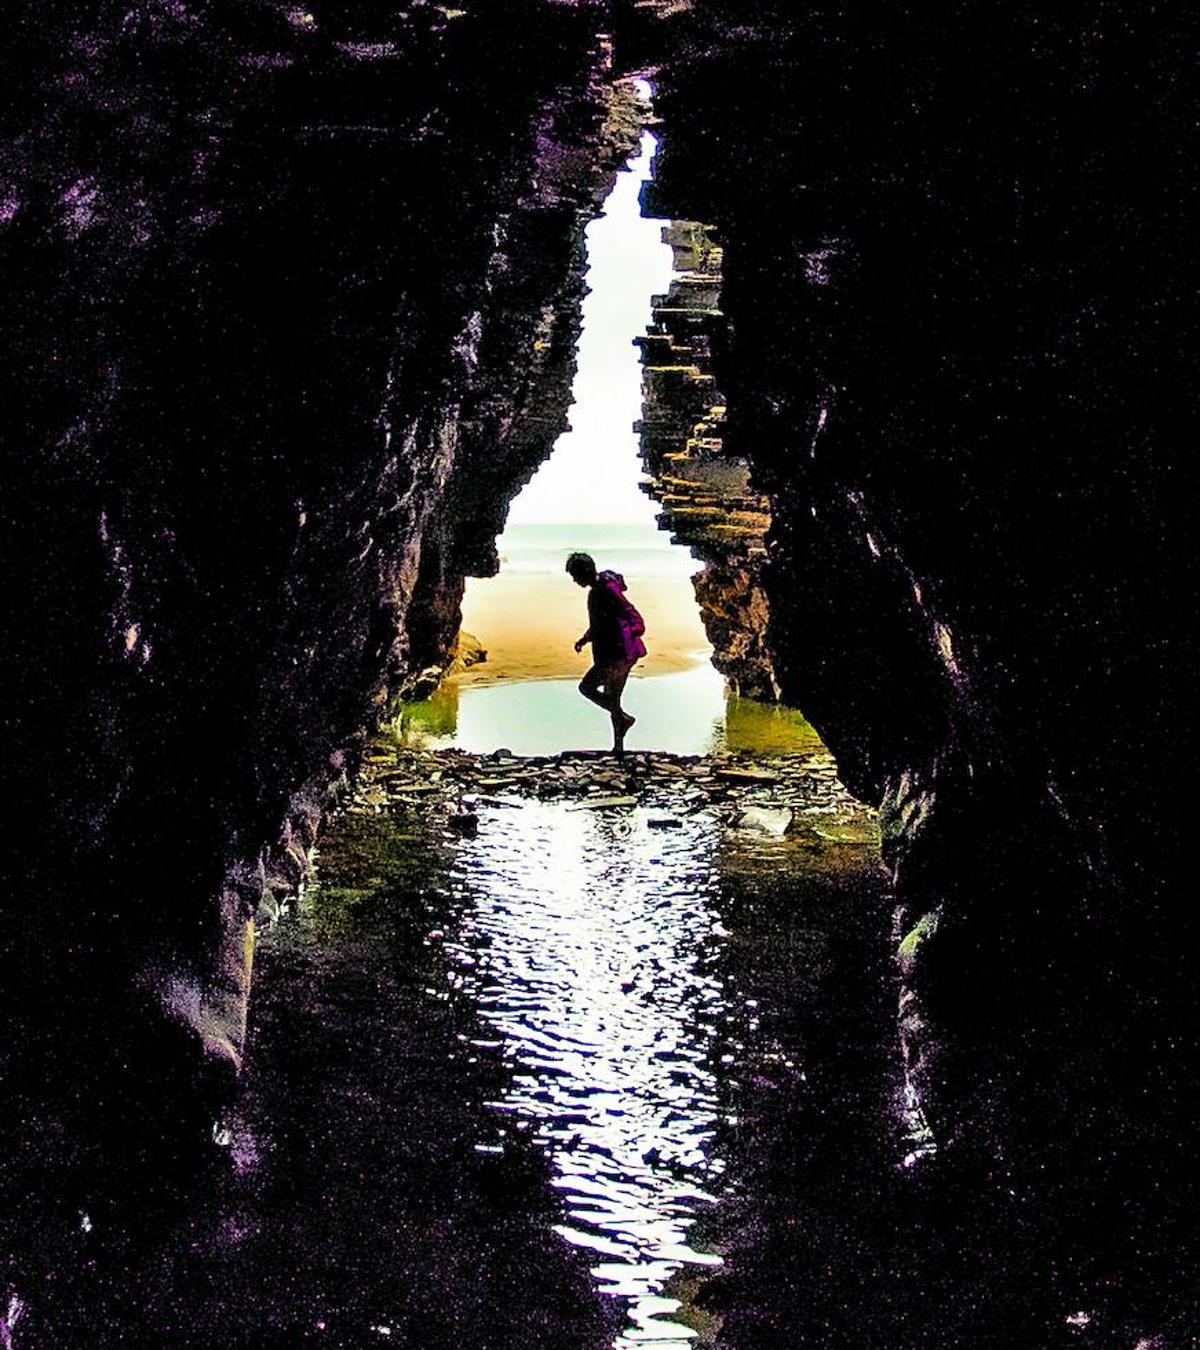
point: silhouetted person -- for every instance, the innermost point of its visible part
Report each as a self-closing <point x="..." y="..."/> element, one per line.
<point x="615" y="631"/>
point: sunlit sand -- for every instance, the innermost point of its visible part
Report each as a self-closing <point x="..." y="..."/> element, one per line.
<point x="528" y="624"/>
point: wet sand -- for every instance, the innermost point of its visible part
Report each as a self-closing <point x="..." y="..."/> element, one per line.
<point x="528" y="624"/>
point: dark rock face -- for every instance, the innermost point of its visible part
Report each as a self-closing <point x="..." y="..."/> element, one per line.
<point x="958" y="256"/>
<point x="515" y="405"/>
<point x="289" y="292"/>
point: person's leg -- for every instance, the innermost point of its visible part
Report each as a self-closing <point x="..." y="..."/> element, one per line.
<point x="614" y="688"/>
<point x="589" y="687"/>
<point x="603" y="685"/>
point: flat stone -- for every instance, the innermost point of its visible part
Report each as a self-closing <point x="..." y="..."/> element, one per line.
<point x="747" y="776"/>
<point x="664" y="822"/>
<point x="598" y="803"/>
<point x="774" y="820"/>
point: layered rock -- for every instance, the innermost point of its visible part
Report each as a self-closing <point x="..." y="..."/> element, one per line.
<point x="707" y="498"/>
<point x="516" y="406"/>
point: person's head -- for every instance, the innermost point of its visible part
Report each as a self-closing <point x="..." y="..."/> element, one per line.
<point x="582" y="568"/>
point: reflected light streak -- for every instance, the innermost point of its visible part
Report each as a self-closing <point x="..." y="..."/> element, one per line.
<point x="588" y="950"/>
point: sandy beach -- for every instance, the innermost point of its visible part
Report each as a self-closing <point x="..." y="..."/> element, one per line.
<point x="528" y="624"/>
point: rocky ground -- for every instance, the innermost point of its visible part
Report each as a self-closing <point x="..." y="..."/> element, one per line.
<point x="798" y="794"/>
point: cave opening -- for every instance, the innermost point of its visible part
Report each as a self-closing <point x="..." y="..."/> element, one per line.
<point x="639" y="482"/>
<point x="578" y="901"/>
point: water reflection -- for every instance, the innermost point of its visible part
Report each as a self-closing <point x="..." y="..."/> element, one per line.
<point x="591" y="950"/>
<point x="687" y="713"/>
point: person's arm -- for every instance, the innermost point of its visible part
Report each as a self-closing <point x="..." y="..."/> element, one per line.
<point x="591" y="611"/>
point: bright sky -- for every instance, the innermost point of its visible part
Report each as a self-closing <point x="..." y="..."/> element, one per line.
<point x="593" y="474"/>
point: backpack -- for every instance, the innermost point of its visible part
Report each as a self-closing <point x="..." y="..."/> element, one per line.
<point x="632" y="623"/>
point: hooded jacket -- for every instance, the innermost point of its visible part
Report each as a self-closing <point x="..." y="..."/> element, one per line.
<point x="616" y="627"/>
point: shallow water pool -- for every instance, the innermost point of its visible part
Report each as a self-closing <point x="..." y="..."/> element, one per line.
<point x="689" y="713"/>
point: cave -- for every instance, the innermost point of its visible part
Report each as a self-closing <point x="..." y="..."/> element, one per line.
<point x="295" y="296"/>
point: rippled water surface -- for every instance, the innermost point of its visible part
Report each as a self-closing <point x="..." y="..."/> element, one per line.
<point x="544" y="1086"/>
<point x="592" y="950"/>
<point x="609" y="980"/>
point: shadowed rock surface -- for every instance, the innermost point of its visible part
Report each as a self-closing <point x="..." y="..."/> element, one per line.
<point x="290" y="293"/>
<point x="958" y="256"/>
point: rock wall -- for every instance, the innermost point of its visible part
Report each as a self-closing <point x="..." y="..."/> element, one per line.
<point x="290" y="291"/>
<point x="707" y="498"/>
<point x="516" y="406"/>
<point x="958" y="261"/>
